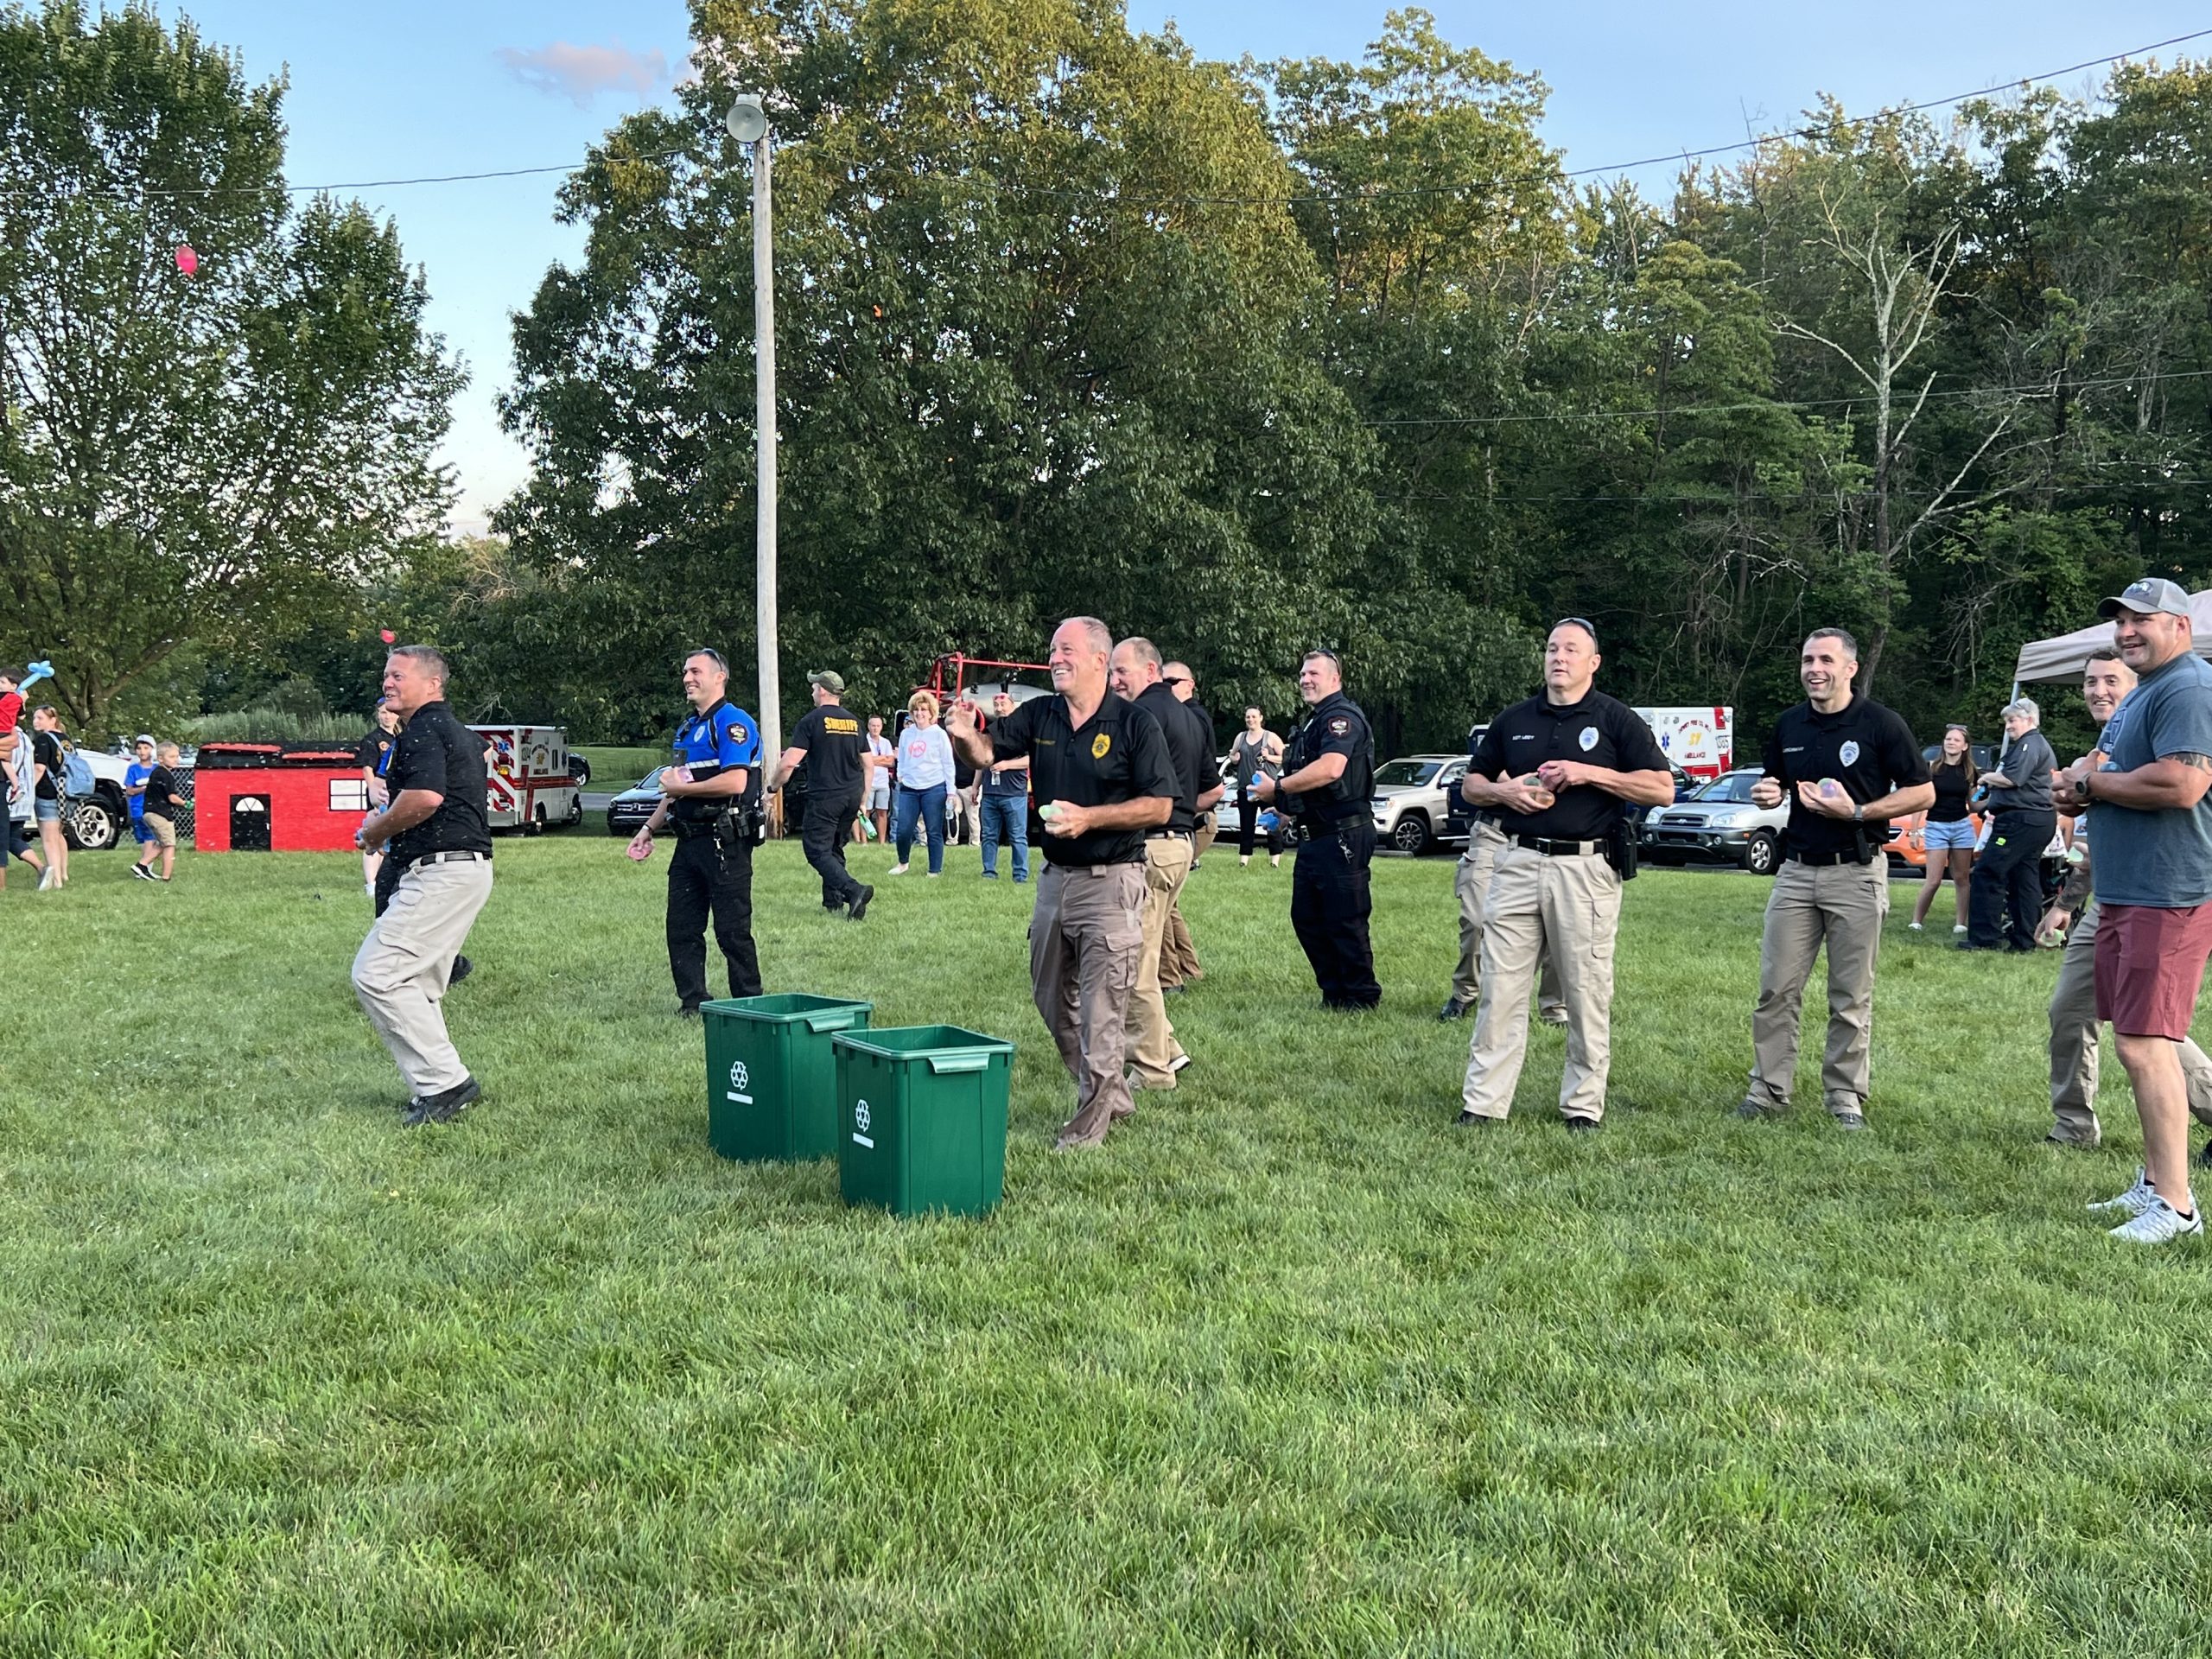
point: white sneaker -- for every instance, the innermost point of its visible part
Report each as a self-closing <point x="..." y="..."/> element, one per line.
<point x="1958" y="927"/>
<point x="932" y="874"/>
<point x="1912" y="927"/>
<point x="898" y="869"/>
<point x="2133" y="1202"/>
<point x="48" y="881"/>
<point x="2159" y="1224"/>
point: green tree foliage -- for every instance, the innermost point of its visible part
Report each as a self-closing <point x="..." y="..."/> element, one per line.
<point x="204" y="459"/>
<point x="1070" y="320"/>
<point x="1003" y="399"/>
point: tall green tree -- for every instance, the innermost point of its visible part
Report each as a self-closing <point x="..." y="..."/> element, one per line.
<point x="1039" y="353"/>
<point x="203" y="457"/>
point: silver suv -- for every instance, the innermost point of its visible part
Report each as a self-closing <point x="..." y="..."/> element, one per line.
<point x="1717" y="821"/>
<point x="1413" y="796"/>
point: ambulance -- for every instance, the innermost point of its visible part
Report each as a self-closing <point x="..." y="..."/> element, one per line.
<point x="527" y="785"/>
<point x="1701" y="741"/>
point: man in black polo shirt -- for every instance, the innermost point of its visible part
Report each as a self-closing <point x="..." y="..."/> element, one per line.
<point x="1846" y="766"/>
<point x="1559" y="770"/>
<point x="1102" y="775"/>
<point x="433" y="830"/>
<point x="830" y="743"/>
<point x="1154" y="1055"/>
<point x="1328" y="778"/>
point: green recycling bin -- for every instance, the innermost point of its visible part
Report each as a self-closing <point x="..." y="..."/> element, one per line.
<point x="771" y="1081"/>
<point x="922" y="1122"/>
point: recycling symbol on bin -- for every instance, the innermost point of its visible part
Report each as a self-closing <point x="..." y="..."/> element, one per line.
<point x="738" y="1076"/>
<point x="860" y="1117"/>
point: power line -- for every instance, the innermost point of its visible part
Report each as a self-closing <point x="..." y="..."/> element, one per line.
<point x="1722" y="499"/>
<point x="2039" y="390"/>
<point x="203" y="191"/>
<point x="1357" y="196"/>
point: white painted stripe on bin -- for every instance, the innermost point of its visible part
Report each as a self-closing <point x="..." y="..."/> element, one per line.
<point x="862" y="1141"/>
<point x="742" y="1100"/>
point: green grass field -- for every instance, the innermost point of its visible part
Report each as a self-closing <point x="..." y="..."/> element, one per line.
<point x="614" y="768"/>
<point x="1291" y="1367"/>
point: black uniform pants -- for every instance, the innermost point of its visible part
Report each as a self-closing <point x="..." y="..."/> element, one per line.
<point x="1329" y="902"/>
<point x="2008" y="876"/>
<point x="823" y="832"/>
<point x="708" y="877"/>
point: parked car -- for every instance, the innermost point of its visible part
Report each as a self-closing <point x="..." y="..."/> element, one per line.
<point x="1413" y="799"/>
<point x="579" y="768"/>
<point x="95" y="821"/>
<point x="1717" y="822"/>
<point x="627" y="812"/>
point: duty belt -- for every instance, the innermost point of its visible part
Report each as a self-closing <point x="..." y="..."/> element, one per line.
<point x="1168" y="835"/>
<point x="1823" y="861"/>
<point x="1551" y="848"/>
<point x="452" y="858"/>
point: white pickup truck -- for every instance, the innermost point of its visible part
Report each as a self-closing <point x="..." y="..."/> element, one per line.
<point x="96" y="821"/>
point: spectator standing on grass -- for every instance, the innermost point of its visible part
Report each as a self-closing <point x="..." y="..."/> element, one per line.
<point x="829" y="743"/>
<point x="2150" y="827"/>
<point x="2008" y="892"/>
<point x="1102" y="777"/>
<point x="1256" y="753"/>
<point x="436" y="835"/>
<point x="1846" y="766"/>
<point x="2075" y="1028"/>
<point x="883" y="757"/>
<point x="373" y="751"/>
<point x="1947" y="836"/>
<point x="133" y="785"/>
<point x="1006" y="807"/>
<point x="50" y="757"/>
<point x="925" y="786"/>
<point x="162" y="804"/>
<point x="1155" y="1056"/>
<point x="1560" y="769"/>
<point x="19" y="783"/>
<point x="1178" y="952"/>
<point x="1328" y="774"/>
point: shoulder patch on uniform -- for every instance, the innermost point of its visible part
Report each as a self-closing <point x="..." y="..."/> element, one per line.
<point x="737" y="731"/>
<point x="1100" y="744"/>
<point x="1339" y="726"/>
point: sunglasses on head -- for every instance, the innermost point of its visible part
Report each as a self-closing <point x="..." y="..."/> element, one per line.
<point x="1581" y="622"/>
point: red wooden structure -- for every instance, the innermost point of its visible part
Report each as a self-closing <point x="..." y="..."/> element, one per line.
<point x="265" y="798"/>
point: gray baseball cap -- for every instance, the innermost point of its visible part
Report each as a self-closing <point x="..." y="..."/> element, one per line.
<point x="830" y="680"/>
<point x="2146" y="597"/>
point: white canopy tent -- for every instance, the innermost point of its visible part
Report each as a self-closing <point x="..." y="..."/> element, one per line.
<point x="2064" y="657"/>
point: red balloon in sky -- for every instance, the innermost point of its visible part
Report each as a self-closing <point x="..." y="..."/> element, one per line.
<point x="187" y="260"/>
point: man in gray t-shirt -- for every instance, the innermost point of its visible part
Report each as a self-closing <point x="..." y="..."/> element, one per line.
<point x="2150" y="823"/>
<point x="2007" y="900"/>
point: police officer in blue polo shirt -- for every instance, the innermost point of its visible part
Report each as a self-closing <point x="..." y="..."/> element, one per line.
<point x="711" y="798"/>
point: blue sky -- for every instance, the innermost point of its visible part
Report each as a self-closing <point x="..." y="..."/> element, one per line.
<point x="406" y="87"/>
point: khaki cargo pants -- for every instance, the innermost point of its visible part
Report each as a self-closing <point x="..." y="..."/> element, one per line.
<point x="402" y="968"/>
<point x="1842" y="905"/>
<point x="1471" y="881"/>
<point x="1085" y="938"/>
<point x="2074" y="1031"/>
<point x="1565" y="912"/>
<point x="1152" y="1048"/>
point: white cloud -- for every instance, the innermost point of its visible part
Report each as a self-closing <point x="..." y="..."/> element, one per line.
<point x="581" y="73"/>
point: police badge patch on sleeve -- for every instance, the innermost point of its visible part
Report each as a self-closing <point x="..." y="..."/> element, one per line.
<point x="1339" y="725"/>
<point x="736" y="732"/>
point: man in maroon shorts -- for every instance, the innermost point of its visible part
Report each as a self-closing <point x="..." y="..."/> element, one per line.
<point x="2151" y="821"/>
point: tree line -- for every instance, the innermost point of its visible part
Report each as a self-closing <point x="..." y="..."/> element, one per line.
<point x="1252" y="356"/>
